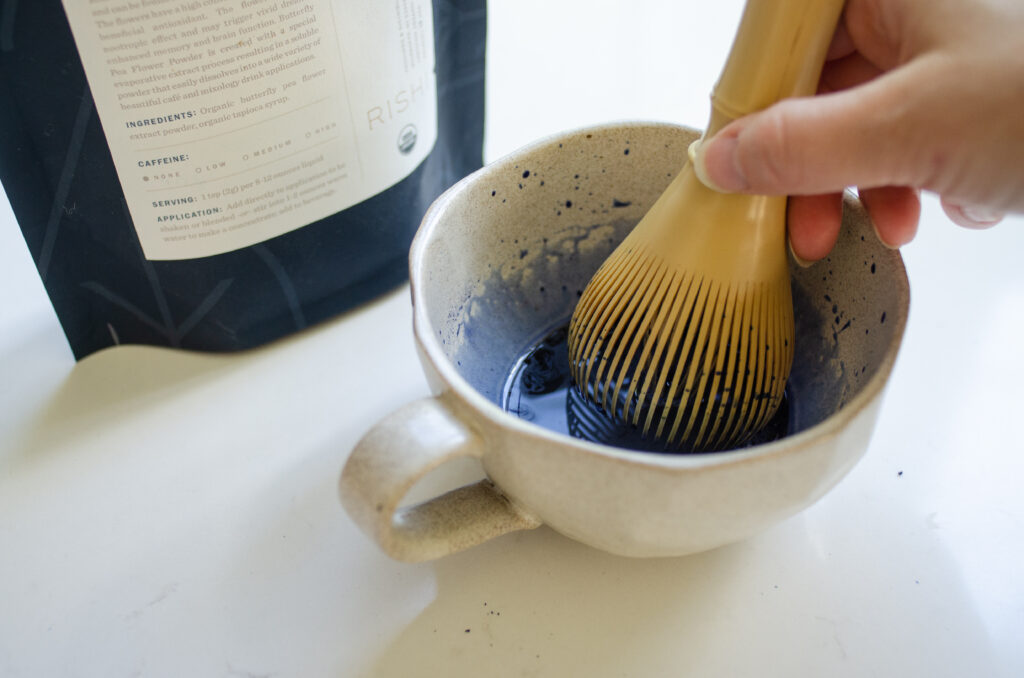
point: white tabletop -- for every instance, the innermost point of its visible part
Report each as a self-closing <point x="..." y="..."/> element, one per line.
<point x="174" y="514"/>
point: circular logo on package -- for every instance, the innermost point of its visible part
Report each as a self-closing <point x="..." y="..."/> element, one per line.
<point x="407" y="139"/>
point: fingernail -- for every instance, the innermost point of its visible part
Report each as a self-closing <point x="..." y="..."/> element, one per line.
<point x="802" y="263"/>
<point x="714" y="162"/>
<point x="888" y="245"/>
<point x="981" y="215"/>
<point x="971" y="216"/>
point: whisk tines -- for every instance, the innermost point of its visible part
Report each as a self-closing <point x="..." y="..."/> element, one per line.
<point x="687" y="359"/>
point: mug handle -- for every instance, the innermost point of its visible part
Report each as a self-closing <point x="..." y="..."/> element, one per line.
<point x="399" y="450"/>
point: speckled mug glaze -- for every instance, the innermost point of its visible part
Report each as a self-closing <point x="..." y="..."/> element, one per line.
<point x="500" y="259"/>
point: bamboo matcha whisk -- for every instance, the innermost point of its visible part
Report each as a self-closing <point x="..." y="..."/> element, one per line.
<point x="686" y="330"/>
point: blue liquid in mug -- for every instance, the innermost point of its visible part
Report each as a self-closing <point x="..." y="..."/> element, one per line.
<point x="540" y="390"/>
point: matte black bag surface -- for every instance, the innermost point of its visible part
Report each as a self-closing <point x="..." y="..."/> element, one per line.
<point x="62" y="178"/>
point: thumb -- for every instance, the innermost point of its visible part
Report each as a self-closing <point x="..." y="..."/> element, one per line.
<point x="816" y="145"/>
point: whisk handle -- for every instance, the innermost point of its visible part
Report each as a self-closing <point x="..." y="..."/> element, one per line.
<point x="778" y="52"/>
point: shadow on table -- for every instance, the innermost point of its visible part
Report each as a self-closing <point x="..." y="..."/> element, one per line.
<point x="116" y="384"/>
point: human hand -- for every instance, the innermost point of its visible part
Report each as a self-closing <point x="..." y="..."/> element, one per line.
<point x="915" y="94"/>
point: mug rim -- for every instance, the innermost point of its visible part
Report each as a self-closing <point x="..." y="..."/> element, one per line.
<point x="430" y="347"/>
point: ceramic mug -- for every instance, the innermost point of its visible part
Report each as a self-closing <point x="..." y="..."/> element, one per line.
<point x="499" y="260"/>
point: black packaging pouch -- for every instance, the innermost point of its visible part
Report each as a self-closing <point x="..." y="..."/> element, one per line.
<point x="232" y="170"/>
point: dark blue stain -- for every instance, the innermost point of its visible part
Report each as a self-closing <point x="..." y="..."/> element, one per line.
<point x="526" y="174"/>
<point x="620" y="203"/>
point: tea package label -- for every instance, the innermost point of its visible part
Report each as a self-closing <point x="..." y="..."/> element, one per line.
<point x="231" y="122"/>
